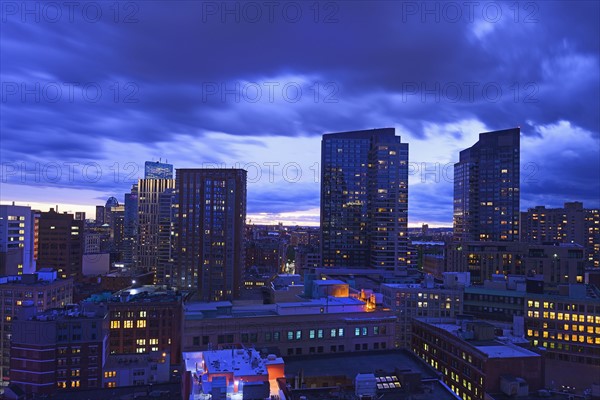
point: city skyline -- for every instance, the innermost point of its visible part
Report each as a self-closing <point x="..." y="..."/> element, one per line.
<point x="439" y="80"/>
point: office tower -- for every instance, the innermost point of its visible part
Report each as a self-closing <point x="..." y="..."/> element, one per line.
<point x="16" y="240"/>
<point x="43" y="288"/>
<point x="210" y="231"/>
<point x="486" y="188"/>
<point x="569" y="224"/>
<point x="364" y="199"/>
<point x="163" y="275"/>
<point x="130" y="226"/>
<point x="61" y="244"/>
<point x="99" y="215"/>
<point x="158" y="170"/>
<point x="149" y="191"/>
<point x="80" y="215"/>
<point x="110" y="203"/>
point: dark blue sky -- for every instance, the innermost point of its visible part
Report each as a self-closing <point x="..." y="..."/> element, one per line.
<point x="91" y="91"/>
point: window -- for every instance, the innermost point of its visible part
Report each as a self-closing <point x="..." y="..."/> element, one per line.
<point x="290" y="335"/>
<point x="141" y="323"/>
<point x="128" y="324"/>
<point x="311" y="334"/>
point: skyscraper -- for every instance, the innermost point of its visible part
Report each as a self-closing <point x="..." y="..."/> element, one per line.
<point x="486" y="188"/>
<point x="131" y="226"/>
<point x="364" y="199"/>
<point x="149" y="191"/>
<point x="210" y="231"/>
<point x="158" y="170"/>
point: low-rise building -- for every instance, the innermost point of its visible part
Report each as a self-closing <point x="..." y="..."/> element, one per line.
<point x="43" y="288"/>
<point x="59" y="349"/>
<point x="472" y="359"/>
<point x="311" y="326"/>
<point x="136" y="369"/>
<point x="238" y="371"/>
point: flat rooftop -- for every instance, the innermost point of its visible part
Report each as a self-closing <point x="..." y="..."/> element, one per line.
<point x="492" y="348"/>
<point x="382" y="363"/>
<point x="351" y="364"/>
<point x="239" y="362"/>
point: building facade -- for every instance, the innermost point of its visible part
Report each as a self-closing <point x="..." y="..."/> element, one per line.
<point x="486" y="188"/>
<point x="58" y="350"/>
<point x="408" y="301"/>
<point x="558" y="264"/>
<point x="336" y="325"/>
<point x="210" y="231"/>
<point x="146" y="320"/>
<point x="364" y="199"/>
<point x="43" y="288"/>
<point x="61" y="244"/>
<point x="16" y="240"/>
<point x="470" y="358"/>
<point x="569" y="224"/>
<point x="148" y="224"/>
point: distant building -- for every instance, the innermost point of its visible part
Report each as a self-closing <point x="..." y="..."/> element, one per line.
<point x="65" y="348"/>
<point x="569" y="224"/>
<point x="43" y="288"/>
<point x="567" y="326"/>
<point x="210" y="231"/>
<point x="99" y="215"/>
<point x="424" y="300"/>
<point x="364" y="200"/>
<point x="157" y="170"/>
<point x="486" y="188"/>
<point x="148" y="223"/>
<point x="558" y="264"/>
<point x="130" y="227"/>
<point x="17" y="238"/>
<point x="61" y="244"/>
<point x="472" y="360"/>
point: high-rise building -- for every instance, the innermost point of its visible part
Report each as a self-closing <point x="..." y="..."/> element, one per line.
<point x="16" y="240"/>
<point x="99" y="215"/>
<point x="130" y="228"/>
<point x="149" y="191"/>
<point x="364" y="199"/>
<point x="163" y="274"/>
<point x="569" y="224"/>
<point x="158" y="170"/>
<point x="61" y="244"/>
<point x="486" y="188"/>
<point x="210" y="231"/>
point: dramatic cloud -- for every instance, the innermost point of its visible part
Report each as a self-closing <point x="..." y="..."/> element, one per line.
<point x="90" y="90"/>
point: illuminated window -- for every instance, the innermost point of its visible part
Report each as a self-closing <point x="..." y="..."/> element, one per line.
<point x="127" y="324"/>
<point x="115" y="324"/>
<point x="141" y="323"/>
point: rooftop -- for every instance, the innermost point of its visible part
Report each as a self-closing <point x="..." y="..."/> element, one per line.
<point x="492" y="348"/>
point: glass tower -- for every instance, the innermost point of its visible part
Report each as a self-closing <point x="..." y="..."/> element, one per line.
<point x="486" y="188"/>
<point x="364" y="199"/>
